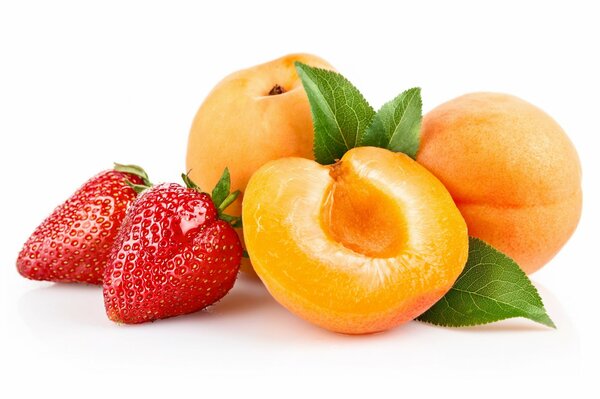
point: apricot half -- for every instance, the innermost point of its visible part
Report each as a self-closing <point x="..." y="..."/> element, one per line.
<point x="251" y="117"/>
<point x="356" y="247"/>
<point x="512" y="171"/>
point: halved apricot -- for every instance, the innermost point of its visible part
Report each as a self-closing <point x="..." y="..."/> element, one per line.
<point x="356" y="247"/>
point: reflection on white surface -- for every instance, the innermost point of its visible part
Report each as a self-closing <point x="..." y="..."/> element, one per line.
<point x="248" y="328"/>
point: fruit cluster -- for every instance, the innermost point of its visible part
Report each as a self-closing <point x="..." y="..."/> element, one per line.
<point x="354" y="220"/>
<point x="168" y="251"/>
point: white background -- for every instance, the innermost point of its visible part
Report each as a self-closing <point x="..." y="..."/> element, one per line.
<point x="83" y="85"/>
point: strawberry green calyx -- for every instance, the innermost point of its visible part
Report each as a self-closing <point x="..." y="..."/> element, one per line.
<point x="235" y="221"/>
<point x="221" y="196"/>
<point x="228" y="200"/>
<point x="134" y="170"/>
<point x="189" y="183"/>
<point x="137" y="171"/>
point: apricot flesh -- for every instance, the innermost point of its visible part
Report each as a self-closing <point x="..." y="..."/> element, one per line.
<point x="251" y="117"/>
<point x="512" y="171"/>
<point x="356" y="247"/>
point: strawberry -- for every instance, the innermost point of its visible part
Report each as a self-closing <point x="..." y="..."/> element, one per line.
<point x="73" y="243"/>
<point x="176" y="253"/>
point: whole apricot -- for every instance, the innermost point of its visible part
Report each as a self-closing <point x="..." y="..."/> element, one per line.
<point x="251" y="117"/>
<point x="512" y="171"/>
<point x="356" y="247"/>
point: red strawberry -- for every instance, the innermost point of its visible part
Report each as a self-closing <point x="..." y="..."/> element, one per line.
<point x="73" y="243"/>
<point x="175" y="253"/>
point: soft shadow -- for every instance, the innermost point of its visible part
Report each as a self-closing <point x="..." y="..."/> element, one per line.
<point x="76" y="304"/>
<point x="248" y="295"/>
<point x="82" y="304"/>
<point x="514" y="325"/>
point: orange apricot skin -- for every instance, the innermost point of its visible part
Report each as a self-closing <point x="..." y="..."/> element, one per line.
<point x="315" y="276"/>
<point x="241" y="127"/>
<point x="512" y="171"/>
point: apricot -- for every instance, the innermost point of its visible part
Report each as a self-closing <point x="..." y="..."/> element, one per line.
<point x="356" y="247"/>
<point x="251" y="117"/>
<point x="512" y="171"/>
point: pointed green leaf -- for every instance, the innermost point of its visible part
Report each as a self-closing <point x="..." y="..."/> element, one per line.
<point x="221" y="190"/>
<point x="138" y="188"/>
<point x="397" y="125"/>
<point x="189" y="183"/>
<point x="491" y="287"/>
<point x="340" y="113"/>
<point x="235" y="221"/>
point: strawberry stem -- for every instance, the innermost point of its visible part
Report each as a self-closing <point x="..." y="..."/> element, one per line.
<point x="228" y="200"/>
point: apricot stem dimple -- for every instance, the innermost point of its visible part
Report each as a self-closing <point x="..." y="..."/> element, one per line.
<point x="276" y="90"/>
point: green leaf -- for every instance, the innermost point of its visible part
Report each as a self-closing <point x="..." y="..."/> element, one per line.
<point x="397" y="125"/>
<point x="134" y="170"/>
<point x="235" y="221"/>
<point x="221" y="190"/>
<point x="138" y="188"/>
<point x="340" y="113"/>
<point x="189" y="183"/>
<point x="491" y="287"/>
